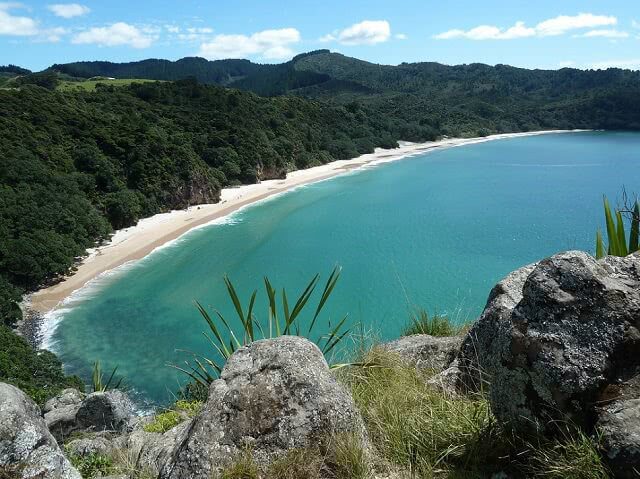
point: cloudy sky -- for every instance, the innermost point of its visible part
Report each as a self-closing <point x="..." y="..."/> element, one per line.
<point x="540" y="34"/>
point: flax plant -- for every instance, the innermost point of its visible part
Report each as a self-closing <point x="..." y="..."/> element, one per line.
<point x="616" y="235"/>
<point x="246" y="328"/>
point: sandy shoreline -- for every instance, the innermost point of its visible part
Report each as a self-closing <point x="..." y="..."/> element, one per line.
<point x="138" y="241"/>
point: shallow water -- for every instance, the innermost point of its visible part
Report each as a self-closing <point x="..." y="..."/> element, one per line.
<point x="434" y="231"/>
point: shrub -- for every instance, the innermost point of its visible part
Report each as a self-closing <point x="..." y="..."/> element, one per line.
<point x="38" y="373"/>
<point x="92" y="465"/>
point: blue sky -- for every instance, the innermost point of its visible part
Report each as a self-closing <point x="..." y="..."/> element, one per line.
<point x="535" y="34"/>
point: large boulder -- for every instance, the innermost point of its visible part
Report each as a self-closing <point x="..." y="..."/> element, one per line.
<point x="562" y="346"/>
<point x="26" y="446"/>
<point x="105" y="411"/>
<point x="68" y="397"/>
<point x="272" y="396"/>
<point x="150" y="451"/>
<point x="100" y="411"/>
<point x="425" y="352"/>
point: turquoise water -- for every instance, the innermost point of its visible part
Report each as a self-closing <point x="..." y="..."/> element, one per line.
<point x="435" y="231"/>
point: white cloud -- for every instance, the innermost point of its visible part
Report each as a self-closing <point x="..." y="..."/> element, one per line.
<point x="329" y="37"/>
<point x="114" y="35"/>
<point x="551" y="27"/>
<point x="172" y="28"/>
<point x="16" y="25"/>
<point x="633" y="64"/>
<point x="270" y="44"/>
<point x="563" y="24"/>
<point x="635" y="24"/>
<point x="195" y="34"/>
<point x="605" y="34"/>
<point x="68" y="10"/>
<point x="368" y="32"/>
<point x="401" y="36"/>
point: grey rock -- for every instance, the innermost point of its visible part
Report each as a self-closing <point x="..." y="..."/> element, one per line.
<point x="493" y="323"/>
<point x="61" y="421"/>
<point x="89" y="446"/>
<point x="448" y="381"/>
<point x="273" y="396"/>
<point x="426" y="352"/>
<point x="25" y="441"/>
<point x="619" y="425"/>
<point x="68" y="397"/>
<point x="105" y="411"/>
<point x="100" y="411"/>
<point x="551" y="354"/>
<point x="149" y="450"/>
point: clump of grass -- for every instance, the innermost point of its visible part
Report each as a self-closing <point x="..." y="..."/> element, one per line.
<point x="243" y="467"/>
<point x="92" y="465"/>
<point x="433" y="325"/>
<point x="170" y="418"/>
<point x="348" y="458"/>
<point x="125" y="461"/>
<point x="298" y="464"/>
<point x="341" y="457"/>
<point x="416" y="427"/>
<point x="573" y="455"/>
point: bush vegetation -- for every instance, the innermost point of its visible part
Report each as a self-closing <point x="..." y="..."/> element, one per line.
<point x="38" y="373"/>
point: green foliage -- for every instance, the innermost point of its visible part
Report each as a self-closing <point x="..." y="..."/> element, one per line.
<point x="92" y="84"/>
<point x="249" y="328"/>
<point x="38" y="373"/>
<point x="98" y="382"/>
<point x="434" y="325"/>
<point x="92" y="465"/>
<point x="170" y="418"/>
<point x="616" y="235"/>
<point x="77" y="164"/>
<point x="10" y="296"/>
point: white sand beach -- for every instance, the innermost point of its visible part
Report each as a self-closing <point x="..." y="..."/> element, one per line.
<point x="136" y="242"/>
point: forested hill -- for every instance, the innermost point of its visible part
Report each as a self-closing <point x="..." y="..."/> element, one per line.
<point x="77" y="165"/>
<point x="455" y="100"/>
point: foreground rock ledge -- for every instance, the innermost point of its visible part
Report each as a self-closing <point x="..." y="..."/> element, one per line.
<point x="273" y="396"/>
<point x="559" y="341"/>
<point x="26" y="446"/>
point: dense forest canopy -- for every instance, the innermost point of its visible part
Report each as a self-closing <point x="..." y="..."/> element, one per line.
<point x="457" y="100"/>
<point x="78" y="163"/>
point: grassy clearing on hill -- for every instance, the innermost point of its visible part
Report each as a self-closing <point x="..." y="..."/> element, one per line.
<point x="90" y="85"/>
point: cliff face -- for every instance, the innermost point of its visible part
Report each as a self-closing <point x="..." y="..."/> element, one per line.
<point x="199" y="188"/>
